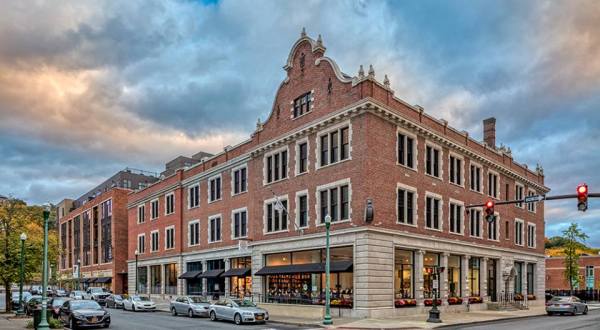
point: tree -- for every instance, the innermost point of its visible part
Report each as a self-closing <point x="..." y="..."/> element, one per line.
<point x="574" y="238"/>
<point x="17" y="217"/>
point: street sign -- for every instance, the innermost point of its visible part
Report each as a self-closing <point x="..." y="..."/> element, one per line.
<point x="534" y="198"/>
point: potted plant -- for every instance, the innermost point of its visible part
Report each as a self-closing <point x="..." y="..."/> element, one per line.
<point x="518" y="297"/>
<point x="530" y="297"/>
<point x="475" y="300"/>
<point x="405" y="302"/>
<point x="454" y="301"/>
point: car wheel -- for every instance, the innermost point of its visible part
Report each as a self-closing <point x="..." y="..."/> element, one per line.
<point x="73" y="324"/>
<point x="574" y="311"/>
<point x="585" y="311"/>
<point x="237" y="319"/>
<point x="213" y="316"/>
<point x="550" y="313"/>
<point x="191" y="313"/>
<point x="133" y="308"/>
<point x="173" y="311"/>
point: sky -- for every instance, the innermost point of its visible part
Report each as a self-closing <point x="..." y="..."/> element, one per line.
<point x="88" y="88"/>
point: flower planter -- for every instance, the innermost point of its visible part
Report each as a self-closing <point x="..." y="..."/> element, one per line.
<point x="454" y="301"/>
<point x="475" y="300"/>
<point x="530" y="297"/>
<point x="429" y="302"/>
<point x="405" y="303"/>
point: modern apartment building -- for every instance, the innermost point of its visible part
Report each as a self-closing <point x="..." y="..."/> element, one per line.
<point x="249" y="221"/>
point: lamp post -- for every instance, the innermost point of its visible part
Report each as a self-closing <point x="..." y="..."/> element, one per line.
<point x="44" y="321"/>
<point x="20" y="311"/>
<point x="78" y="274"/>
<point x="327" y="319"/>
<point x="136" y="271"/>
<point x="434" y="312"/>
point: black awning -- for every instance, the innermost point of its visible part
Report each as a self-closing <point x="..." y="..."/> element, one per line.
<point x="211" y="273"/>
<point x="334" y="267"/>
<point x="84" y="280"/>
<point x="103" y="280"/>
<point x="236" y="272"/>
<point x="190" y="274"/>
<point x="91" y="280"/>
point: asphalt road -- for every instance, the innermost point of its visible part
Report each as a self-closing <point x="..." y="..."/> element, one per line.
<point x="127" y="320"/>
<point x="558" y="322"/>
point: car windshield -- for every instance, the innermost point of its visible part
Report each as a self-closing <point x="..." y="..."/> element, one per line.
<point x="141" y="299"/>
<point x="58" y="302"/>
<point x="84" y="304"/>
<point x="561" y="299"/>
<point x="118" y="297"/>
<point x="197" y="300"/>
<point x="15" y="295"/>
<point x="96" y="290"/>
<point x="244" y="303"/>
<point x="78" y="293"/>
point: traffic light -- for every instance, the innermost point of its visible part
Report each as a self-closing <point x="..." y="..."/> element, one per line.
<point x="489" y="211"/>
<point x="582" y="197"/>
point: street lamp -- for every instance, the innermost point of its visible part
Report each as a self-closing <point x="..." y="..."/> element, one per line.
<point x="20" y="311"/>
<point x="136" y="271"/>
<point x="44" y="321"/>
<point x="78" y="274"/>
<point x="327" y="319"/>
<point x="434" y="312"/>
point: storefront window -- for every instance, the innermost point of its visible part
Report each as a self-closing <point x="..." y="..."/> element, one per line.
<point x="241" y="286"/>
<point x="474" y="278"/>
<point x="215" y="285"/>
<point x="518" y="277"/>
<point x="454" y="275"/>
<point x="155" y="279"/>
<point x="194" y="286"/>
<point x="403" y="279"/>
<point x="142" y="280"/>
<point x="279" y="259"/>
<point x="171" y="279"/>
<point x="530" y="279"/>
<point x="429" y="260"/>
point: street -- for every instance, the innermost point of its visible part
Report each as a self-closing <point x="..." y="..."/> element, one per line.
<point x="567" y="322"/>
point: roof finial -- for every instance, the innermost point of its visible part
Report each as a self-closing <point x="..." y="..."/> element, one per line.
<point x="386" y="81"/>
<point x="303" y="33"/>
<point x="320" y="40"/>
<point x="361" y="72"/>
<point x="371" y="71"/>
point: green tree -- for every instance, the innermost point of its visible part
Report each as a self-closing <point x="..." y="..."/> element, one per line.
<point x="574" y="237"/>
<point x="17" y="217"/>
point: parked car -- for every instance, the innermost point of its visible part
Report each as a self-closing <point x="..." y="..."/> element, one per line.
<point x="15" y="298"/>
<point x="97" y="294"/>
<point x="139" y="303"/>
<point x="76" y="294"/>
<point x="83" y="313"/>
<point x="35" y="289"/>
<point x="60" y="293"/>
<point x="191" y="306"/>
<point x="114" y="301"/>
<point x="238" y="310"/>
<point x="55" y="304"/>
<point x="566" y="305"/>
<point x="32" y="304"/>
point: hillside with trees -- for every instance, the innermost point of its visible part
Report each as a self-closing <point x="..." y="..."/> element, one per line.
<point x="555" y="247"/>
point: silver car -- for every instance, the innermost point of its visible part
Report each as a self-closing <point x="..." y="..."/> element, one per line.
<point x="191" y="306"/>
<point x="566" y="305"/>
<point x="239" y="311"/>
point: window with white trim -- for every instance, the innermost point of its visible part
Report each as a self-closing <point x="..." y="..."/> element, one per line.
<point x="406" y="150"/>
<point x="302" y="209"/>
<point x="433" y="206"/>
<point x="475" y="178"/>
<point x="240" y="180"/>
<point x="214" y="188"/>
<point x="334" y="146"/>
<point x="170" y="203"/>
<point x="475" y="223"/>
<point x="302" y="104"/>
<point x="531" y="206"/>
<point x="276" y="216"/>
<point x="519" y="194"/>
<point x="334" y="201"/>
<point x="432" y="161"/>
<point x="154" y="209"/>
<point x="406" y="206"/>
<point x="492" y="184"/>
<point x="194" y="196"/>
<point x="141" y="245"/>
<point x="492" y="229"/>
<point x="531" y="235"/>
<point x="518" y="232"/>
<point x="240" y="223"/>
<point x="169" y="237"/>
<point x="276" y="166"/>
<point x="456" y="218"/>
<point x="141" y="213"/>
<point x="194" y="232"/>
<point x="302" y="157"/>
<point x="214" y="229"/>
<point x="456" y="169"/>
<point x="154" y="244"/>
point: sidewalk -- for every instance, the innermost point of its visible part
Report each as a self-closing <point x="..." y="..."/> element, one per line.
<point x="8" y="321"/>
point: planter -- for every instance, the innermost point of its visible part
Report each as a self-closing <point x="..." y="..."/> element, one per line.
<point x="530" y="297"/>
<point x="475" y="300"/>
<point x="429" y="302"/>
<point x="518" y="297"/>
<point x="455" y="301"/>
<point x="405" y="303"/>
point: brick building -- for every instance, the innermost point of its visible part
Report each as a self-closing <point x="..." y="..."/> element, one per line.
<point x="92" y="233"/>
<point x="250" y="220"/>
<point x="589" y="278"/>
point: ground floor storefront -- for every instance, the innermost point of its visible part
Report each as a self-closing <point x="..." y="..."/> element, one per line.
<point x="374" y="273"/>
<point x="106" y="279"/>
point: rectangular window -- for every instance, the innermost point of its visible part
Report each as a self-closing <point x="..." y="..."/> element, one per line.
<point x="493" y="185"/>
<point x="194" y="196"/>
<point x="141" y="246"/>
<point x="240" y="224"/>
<point x="302" y="211"/>
<point x="276" y="216"/>
<point x="169" y="238"/>
<point x="302" y="104"/>
<point x="335" y="201"/>
<point x="141" y="218"/>
<point x="518" y="194"/>
<point x="492" y="229"/>
<point x="475" y="223"/>
<point x="214" y="230"/>
<point x="154" y="209"/>
<point x="518" y="232"/>
<point x="432" y="212"/>
<point x="155" y="242"/>
<point x="214" y="189"/>
<point x="170" y="203"/>
<point x="531" y="235"/>
<point x="456" y="218"/>
<point x="302" y="157"/>
<point x="240" y="181"/>
<point x="406" y="146"/>
<point x="456" y="176"/>
<point x="432" y="161"/>
<point x="334" y="146"/>
<point x="475" y="176"/>
<point x="194" y="232"/>
<point x="276" y="166"/>
<point x="406" y="208"/>
<point x="531" y="206"/>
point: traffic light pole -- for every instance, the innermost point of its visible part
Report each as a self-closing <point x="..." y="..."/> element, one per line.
<point x="536" y="198"/>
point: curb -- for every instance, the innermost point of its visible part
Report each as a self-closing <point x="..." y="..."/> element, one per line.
<point x="489" y="321"/>
<point x="298" y="324"/>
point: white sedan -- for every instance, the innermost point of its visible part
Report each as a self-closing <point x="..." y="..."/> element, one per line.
<point x="138" y="303"/>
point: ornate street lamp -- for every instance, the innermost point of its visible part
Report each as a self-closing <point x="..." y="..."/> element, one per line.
<point x="136" y="271"/>
<point x="434" y="312"/>
<point x="21" y="311"/>
<point x="327" y="319"/>
<point x="78" y="274"/>
<point x="44" y="321"/>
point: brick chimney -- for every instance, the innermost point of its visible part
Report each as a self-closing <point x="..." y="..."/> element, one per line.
<point x="489" y="132"/>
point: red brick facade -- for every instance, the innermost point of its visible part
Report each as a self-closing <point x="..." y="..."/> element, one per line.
<point x="555" y="273"/>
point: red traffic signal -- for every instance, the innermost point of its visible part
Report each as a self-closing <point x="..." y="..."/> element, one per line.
<point x="582" y="197"/>
<point x="489" y="211"/>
